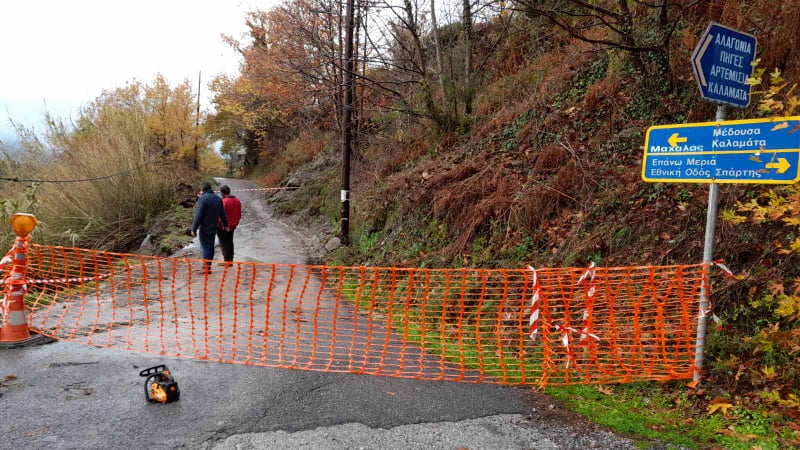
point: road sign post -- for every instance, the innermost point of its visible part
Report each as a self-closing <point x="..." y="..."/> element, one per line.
<point x="708" y="257"/>
<point x="721" y="152"/>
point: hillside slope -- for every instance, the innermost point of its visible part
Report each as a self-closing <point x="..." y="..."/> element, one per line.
<point x="548" y="173"/>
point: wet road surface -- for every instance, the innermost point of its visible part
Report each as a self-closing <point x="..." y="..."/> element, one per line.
<point x="67" y="395"/>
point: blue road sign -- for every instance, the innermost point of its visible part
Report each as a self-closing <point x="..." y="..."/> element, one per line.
<point x="722" y="62"/>
<point x="758" y="151"/>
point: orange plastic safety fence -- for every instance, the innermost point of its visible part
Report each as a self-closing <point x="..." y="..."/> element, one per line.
<point x="545" y="327"/>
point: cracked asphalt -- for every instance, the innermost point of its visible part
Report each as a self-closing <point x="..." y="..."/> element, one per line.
<point x="71" y="396"/>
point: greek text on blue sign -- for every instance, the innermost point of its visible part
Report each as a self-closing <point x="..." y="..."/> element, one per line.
<point x="759" y="151"/>
<point x="722" y="62"/>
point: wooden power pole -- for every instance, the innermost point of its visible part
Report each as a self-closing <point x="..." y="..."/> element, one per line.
<point x="347" y="125"/>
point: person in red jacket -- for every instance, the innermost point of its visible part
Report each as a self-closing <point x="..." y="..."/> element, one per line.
<point x="233" y="211"/>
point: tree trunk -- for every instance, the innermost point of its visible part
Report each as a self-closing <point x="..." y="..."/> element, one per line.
<point x="438" y="47"/>
<point x="661" y="12"/>
<point x="421" y="62"/>
<point x="250" y="141"/>
<point x="469" y="88"/>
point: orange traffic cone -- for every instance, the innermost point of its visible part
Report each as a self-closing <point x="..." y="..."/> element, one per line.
<point x="14" y="324"/>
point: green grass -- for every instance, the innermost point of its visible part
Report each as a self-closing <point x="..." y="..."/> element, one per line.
<point x="649" y="411"/>
<point x="634" y="409"/>
<point x="175" y="236"/>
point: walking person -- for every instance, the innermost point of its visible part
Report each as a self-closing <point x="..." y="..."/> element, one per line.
<point x="209" y="213"/>
<point x="233" y="211"/>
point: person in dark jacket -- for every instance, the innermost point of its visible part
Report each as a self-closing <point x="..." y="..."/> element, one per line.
<point x="233" y="211"/>
<point x="208" y="214"/>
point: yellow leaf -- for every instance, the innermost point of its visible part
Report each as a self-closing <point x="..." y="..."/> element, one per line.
<point x="792" y="103"/>
<point x="751" y="205"/>
<point x="767" y="105"/>
<point x="759" y="215"/>
<point x="768" y="373"/>
<point x="753" y="81"/>
<point x="756" y="78"/>
<point x="791" y="221"/>
<point x="775" y="90"/>
<point x="776" y="76"/>
<point x="714" y="407"/>
<point x="780" y="126"/>
<point x="730" y="216"/>
<point x="788" y="307"/>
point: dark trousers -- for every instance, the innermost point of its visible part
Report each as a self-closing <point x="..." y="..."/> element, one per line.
<point x="226" y="244"/>
<point x="207" y="244"/>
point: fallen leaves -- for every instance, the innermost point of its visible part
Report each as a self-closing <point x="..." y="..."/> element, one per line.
<point x="604" y="390"/>
<point x="776" y="288"/>
<point x="731" y="432"/>
<point x="719" y="404"/>
<point x="8" y="380"/>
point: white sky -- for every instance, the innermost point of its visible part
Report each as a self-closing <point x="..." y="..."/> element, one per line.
<point x="66" y="52"/>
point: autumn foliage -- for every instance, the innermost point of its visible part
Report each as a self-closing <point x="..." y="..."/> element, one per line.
<point x="94" y="182"/>
<point x="501" y="134"/>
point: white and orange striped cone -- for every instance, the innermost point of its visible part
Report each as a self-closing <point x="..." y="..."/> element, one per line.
<point x="14" y="325"/>
<point x="14" y="322"/>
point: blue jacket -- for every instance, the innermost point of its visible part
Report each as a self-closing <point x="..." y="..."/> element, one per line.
<point x="209" y="211"/>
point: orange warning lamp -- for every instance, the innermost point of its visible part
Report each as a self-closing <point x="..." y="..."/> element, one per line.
<point x="23" y="224"/>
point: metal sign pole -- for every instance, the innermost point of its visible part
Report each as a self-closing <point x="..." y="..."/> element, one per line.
<point x="708" y="257"/>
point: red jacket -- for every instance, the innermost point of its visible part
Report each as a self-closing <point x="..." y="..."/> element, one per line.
<point x="233" y="210"/>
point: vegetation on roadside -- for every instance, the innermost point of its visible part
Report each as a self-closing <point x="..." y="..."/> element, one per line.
<point x="169" y="230"/>
<point x="98" y="182"/>
<point x="537" y="160"/>
<point x="503" y="135"/>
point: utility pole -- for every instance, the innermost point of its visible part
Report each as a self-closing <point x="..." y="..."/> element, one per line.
<point x="347" y="126"/>
<point x="197" y="123"/>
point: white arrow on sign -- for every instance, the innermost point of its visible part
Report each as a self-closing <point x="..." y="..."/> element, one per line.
<point x="699" y="56"/>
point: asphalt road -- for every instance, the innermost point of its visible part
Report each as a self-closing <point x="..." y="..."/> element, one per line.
<point x="65" y="396"/>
